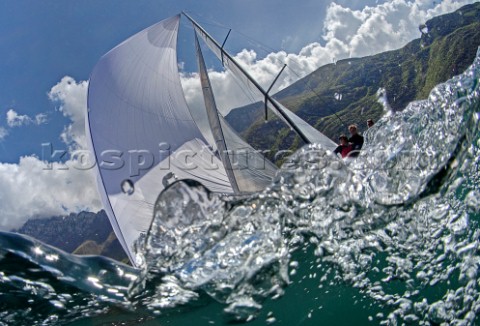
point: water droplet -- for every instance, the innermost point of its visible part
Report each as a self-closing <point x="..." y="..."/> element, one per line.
<point x="127" y="187"/>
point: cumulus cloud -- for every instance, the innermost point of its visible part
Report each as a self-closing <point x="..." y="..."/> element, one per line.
<point x="72" y="97"/>
<point x="32" y="189"/>
<point x="381" y="28"/>
<point x="347" y="33"/>
<point x="37" y="188"/>
<point x="17" y="120"/>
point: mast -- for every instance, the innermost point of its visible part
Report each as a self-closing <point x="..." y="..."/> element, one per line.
<point x="268" y="98"/>
<point x="213" y="119"/>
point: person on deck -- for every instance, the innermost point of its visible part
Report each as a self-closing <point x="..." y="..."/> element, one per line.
<point x="344" y="148"/>
<point x="356" y="140"/>
<point x="370" y="123"/>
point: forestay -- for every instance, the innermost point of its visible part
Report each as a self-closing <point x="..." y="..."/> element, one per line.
<point x="305" y="130"/>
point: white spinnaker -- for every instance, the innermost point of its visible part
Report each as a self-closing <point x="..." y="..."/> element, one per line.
<point x="311" y="134"/>
<point x="142" y="132"/>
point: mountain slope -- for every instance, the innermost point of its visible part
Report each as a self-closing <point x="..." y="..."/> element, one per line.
<point x="85" y="233"/>
<point x="407" y="74"/>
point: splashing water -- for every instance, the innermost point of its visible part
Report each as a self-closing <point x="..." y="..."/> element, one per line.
<point x="398" y="226"/>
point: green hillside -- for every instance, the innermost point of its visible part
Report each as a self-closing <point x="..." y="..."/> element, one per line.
<point x="446" y="49"/>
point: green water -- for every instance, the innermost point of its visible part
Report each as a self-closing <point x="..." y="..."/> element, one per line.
<point x="306" y="301"/>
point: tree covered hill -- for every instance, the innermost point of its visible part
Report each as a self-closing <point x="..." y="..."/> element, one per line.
<point x="336" y="95"/>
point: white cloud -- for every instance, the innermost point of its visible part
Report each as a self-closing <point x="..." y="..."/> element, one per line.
<point x="32" y="188"/>
<point x="17" y="120"/>
<point x="72" y="97"/>
<point x="385" y="27"/>
<point x="347" y="33"/>
<point x="40" y="118"/>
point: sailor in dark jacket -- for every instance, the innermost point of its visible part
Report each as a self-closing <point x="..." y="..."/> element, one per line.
<point x="356" y="140"/>
<point x="344" y="148"/>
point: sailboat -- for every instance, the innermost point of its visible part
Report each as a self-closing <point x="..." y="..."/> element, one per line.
<point x="144" y="135"/>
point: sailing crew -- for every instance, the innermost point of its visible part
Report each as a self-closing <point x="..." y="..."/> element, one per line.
<point x="344" y="148"/>
<point x="356" y="140"/>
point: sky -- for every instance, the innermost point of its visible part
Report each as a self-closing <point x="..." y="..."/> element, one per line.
<point x="48" y="49"/>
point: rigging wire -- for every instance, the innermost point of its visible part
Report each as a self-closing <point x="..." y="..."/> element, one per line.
<point x="249" y="93"/>
<point x="250" y="96"/>
<point x="267" y="49"/>
<point x="237" y="67"/>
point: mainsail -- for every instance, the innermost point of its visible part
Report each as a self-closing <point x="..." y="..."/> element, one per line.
<point x="144" y="135"/>
<point x="248" y="170"/>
